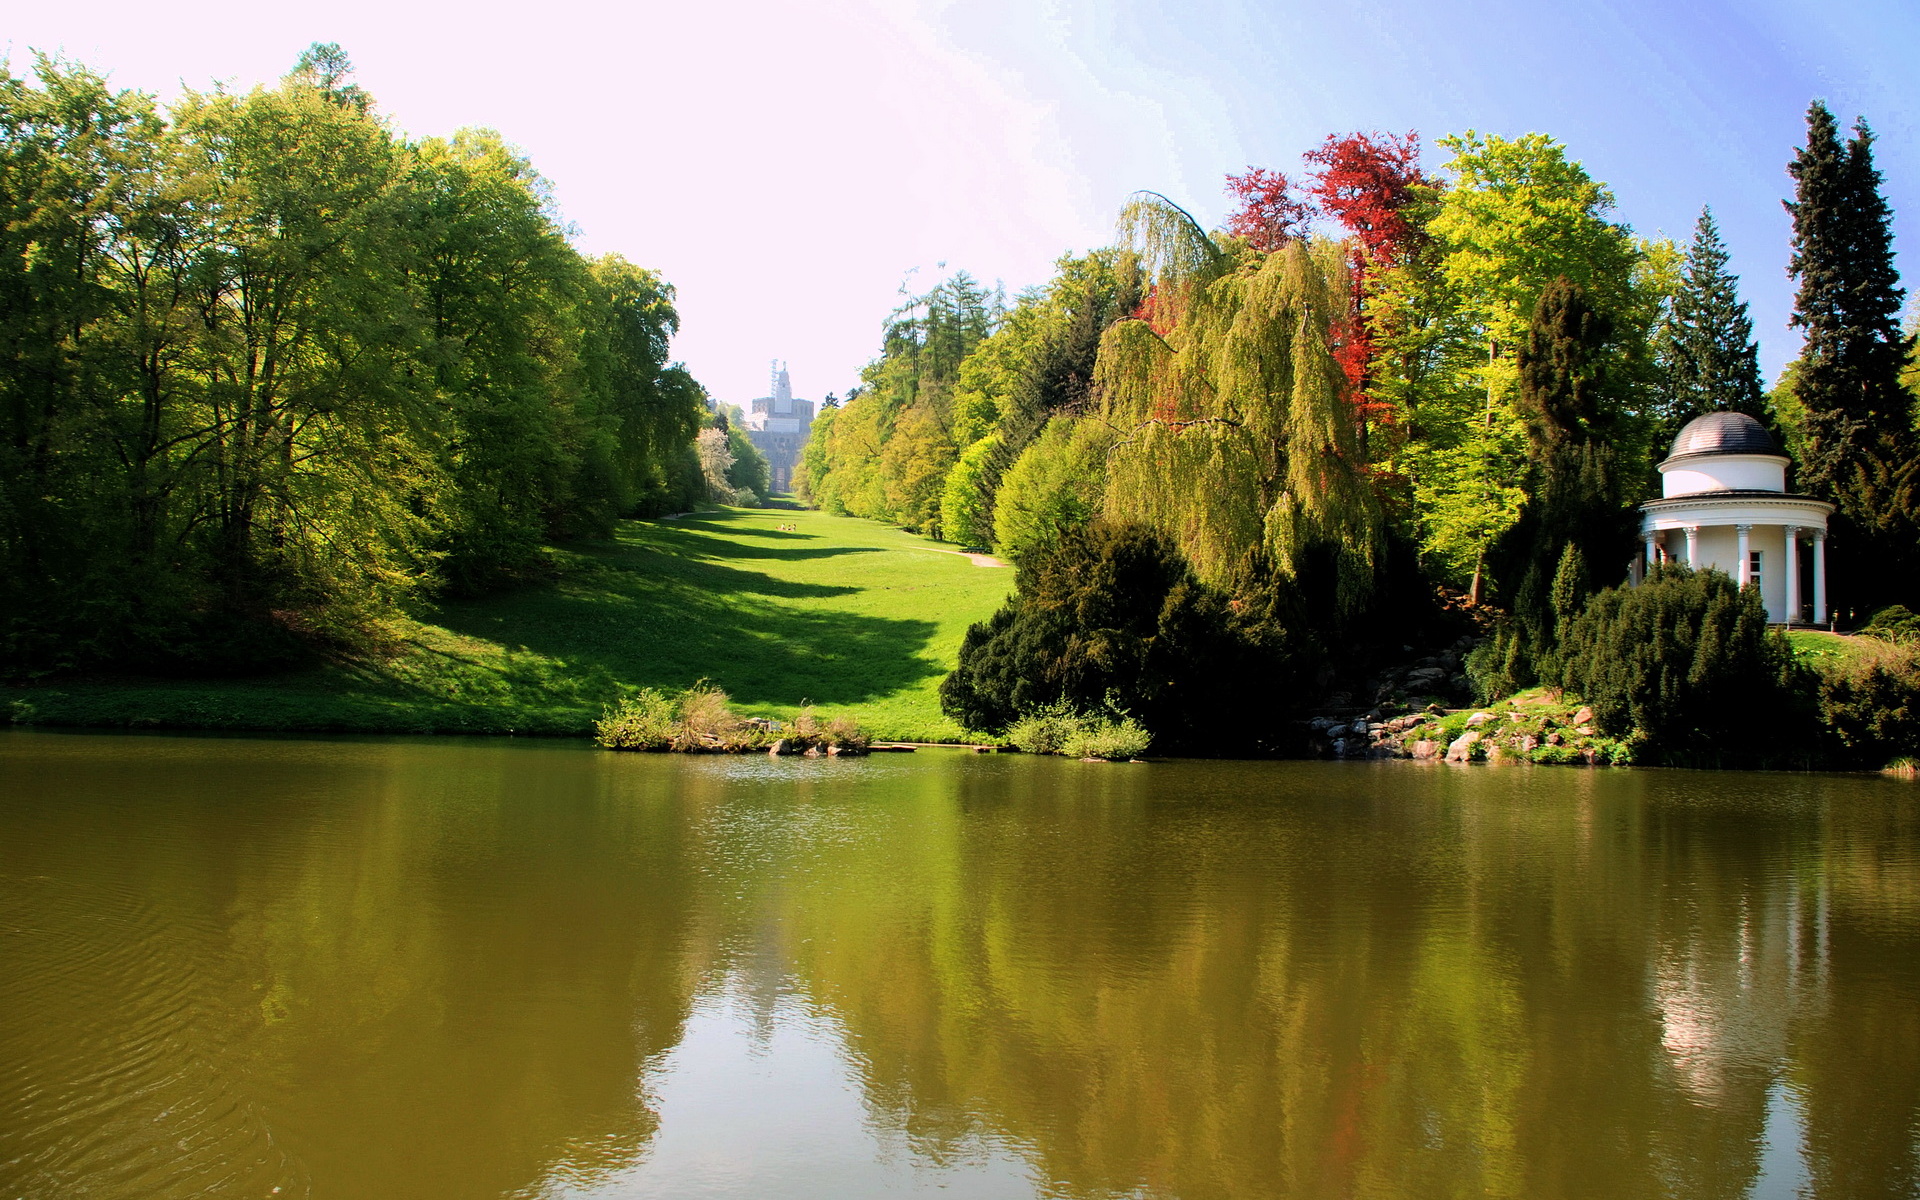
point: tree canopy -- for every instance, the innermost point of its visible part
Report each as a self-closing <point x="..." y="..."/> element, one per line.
<point x="273" y="370"/>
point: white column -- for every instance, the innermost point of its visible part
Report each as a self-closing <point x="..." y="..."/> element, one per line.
<point x="1693" y="547"/>
<point x="1653" y="552"/>
<point x="1819" y="577"/>
<point x="1793" y="573"/>
<point x="1745" y="573"/>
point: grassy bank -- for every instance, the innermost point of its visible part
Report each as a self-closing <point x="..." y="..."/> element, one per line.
<point x="856" y="617"/>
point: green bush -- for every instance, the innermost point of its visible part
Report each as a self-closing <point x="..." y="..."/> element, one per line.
<point x="966" y="504"/>
<point x="1110" y="618"/>
<point x="1501" y="665"/>
<point x="644" y="721"/>
<point x="1045" y="730"/>
<point x="1053" y="487"/>
<point x="1895" y="623"/>
<point x="1058" y="729"/>
<point x="701" y="721"/>
<point x="1871" y="709"/>
<point x="1115" y="741"/>
<point x="1686" y="660"/>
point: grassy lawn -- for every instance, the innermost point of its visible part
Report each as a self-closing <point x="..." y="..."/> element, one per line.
<point x="853" y="616"/>
<point x="1819" y="649"/>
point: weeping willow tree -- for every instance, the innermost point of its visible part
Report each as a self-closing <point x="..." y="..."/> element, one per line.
<point x="1237" y="439"/>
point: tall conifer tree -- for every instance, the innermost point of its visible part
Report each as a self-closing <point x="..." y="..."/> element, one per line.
<point x="1705" y="346"/>
<point x="1858" y="433"/>
<point x="1577" y="502"/>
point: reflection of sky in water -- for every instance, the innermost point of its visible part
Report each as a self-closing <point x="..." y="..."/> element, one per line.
<point x="1783" y="1169"/>
<point x="768" y="1103"/>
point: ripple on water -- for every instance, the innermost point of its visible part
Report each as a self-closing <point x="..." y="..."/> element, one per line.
<point x="112" y="1077"/>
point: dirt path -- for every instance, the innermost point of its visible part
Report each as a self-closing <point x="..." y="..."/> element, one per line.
<point x="978" y="560"/>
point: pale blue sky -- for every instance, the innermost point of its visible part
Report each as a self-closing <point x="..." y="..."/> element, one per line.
<point x="787" y="165"/>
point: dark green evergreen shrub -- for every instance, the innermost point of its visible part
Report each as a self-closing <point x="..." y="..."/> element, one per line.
<point x="1578" y="522"/>
<point x="1502" y="664"/>
<point x="1896" y="623"/>
<point x="1112" y="619"/>
<point x="1686" y="663"/>
<point x="1871" y="710"/>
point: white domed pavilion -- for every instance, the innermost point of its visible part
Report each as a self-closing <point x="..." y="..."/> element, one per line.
<point x="1725" y="504"/>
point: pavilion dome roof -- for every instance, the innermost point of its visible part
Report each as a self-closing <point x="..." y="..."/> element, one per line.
<point x="1723" y="433"/>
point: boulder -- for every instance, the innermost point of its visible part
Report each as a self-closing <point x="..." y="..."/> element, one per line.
<point x="1584" y="716"/>
<point x="1478" y="719"/>
<point x="1425" y="748"/>
<point x="780" y="747"/>
<point x="1462" y="748"/>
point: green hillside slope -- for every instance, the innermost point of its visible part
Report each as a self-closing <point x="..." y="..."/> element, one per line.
<point x="853" y="616"/>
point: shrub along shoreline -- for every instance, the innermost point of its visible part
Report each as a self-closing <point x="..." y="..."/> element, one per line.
<point x="700" y="721"/>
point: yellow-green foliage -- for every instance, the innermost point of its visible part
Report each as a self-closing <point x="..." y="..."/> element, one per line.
<point x="643" y="721"/>
<point x="1115" y="741"/>
<point x="1235" y="431"/>
<point x="927" y="439"/>
<point x="701" y="721"/>
<point x="887" y="452"/>
<point x="1057" y="729"/>
<point x="966" y="509"/>
<point x="308" y="369"/>
<point x="1055" y="483"/>
<point x="1517" y="214"/>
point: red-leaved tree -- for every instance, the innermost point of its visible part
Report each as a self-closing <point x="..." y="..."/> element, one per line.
<point x="1270" y="213"/>
<point x="1366" y="182"/>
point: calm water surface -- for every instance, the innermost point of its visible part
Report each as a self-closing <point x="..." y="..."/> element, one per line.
<point x="431" y="969"/>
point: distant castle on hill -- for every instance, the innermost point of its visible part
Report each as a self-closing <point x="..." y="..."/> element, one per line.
<point x="778" y="425"/>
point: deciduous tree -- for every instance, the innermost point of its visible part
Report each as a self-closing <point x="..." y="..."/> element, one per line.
<point x="1235" y="432"/>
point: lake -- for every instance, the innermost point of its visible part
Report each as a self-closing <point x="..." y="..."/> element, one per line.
<point x="458" y="968"/>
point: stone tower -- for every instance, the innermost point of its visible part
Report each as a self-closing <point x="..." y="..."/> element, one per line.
<point x="778" y="425"/>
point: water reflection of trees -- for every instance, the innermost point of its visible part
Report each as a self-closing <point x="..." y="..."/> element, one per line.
<point x="440" y="970"/>
<point x="1501" y="989"/>
<point x="359" y="970"/>
<point x="468" y="976"/>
